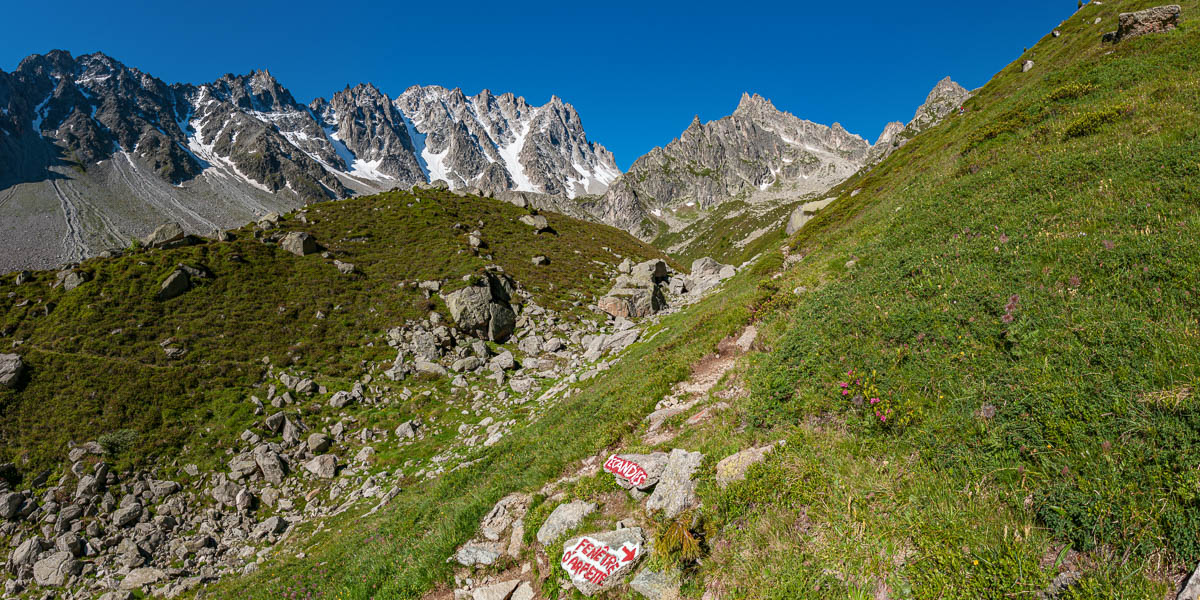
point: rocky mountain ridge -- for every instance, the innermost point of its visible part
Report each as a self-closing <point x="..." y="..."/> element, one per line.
<point x="93" y="152"/>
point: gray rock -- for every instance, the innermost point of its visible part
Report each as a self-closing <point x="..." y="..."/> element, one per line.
<point x="324" y="466"/>
<point x="483" y="309"/>
<point x="632" y="303"/>
<point x="621" y="466"/>
<point x="318" y="443"/>
<point x="69" y="542"/>
<point x="1159" y="19"/>
<point x="175" y="285"/>
<point x="495" y="591"/>
<point x="503" y="361"/>
<point x="139" y="578"/>
<point x="341" y="399"/>
<point x="163" y="236"/>
<point x="22" y="278"/>
<point x="654" y="585"/>
<point x="407" y="430"/>
<point x="269" y="463"/>
<point x="537" y="222"/>
<point x="344" y="268"/>
<point x="1027" y="66"/>
<point x="733" y="467"/>
<point x="564" y="518"/>
<point x="477" y="554"/>
<point x="55" y="569"/>
<point x="70" y="279"/>
<point x="270" y="526"/>
<point x="431" y="369"/>
<point x="625" y="549"/>
<point x="676" y="492"/>
<point x="299" y="243"/>
<point x="10" y="505"/>
<point x="127" y="516"/>
<point x="541" y="260"/>
<point x="25" y="554"/>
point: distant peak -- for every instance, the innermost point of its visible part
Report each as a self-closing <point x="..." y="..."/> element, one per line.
<point x="752" y="102"/>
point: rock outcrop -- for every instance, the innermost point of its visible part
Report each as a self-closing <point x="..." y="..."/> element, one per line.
<point x="11" y="369"/>
<point x="1159" y="19"/>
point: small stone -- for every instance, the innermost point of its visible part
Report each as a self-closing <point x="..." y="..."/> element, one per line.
<point x="564" y="518"/>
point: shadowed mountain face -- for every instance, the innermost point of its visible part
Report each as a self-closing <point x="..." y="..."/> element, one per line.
<point x="93" y="152"/>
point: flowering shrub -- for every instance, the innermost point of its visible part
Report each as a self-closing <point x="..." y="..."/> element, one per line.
<point x="882" y="410"/>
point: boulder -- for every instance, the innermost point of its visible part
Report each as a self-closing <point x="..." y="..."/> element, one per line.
<point x="632" y="303"/>
<point x="344" y="268"/>
<point x="564" y="518"/>
<point x="495" y="591"/>
<point x="600" y="561"/>
<point x="55" y="569"/>
<point x="676" y="492"/>
<point x="733" y="467"/>
<point x="1027" y="66"/>
<point x="541" y="260"/>
<point x="431" y="369"/>
<point x="175" y="285"/>
<point x="1191" y="591"/>
<point x="641" y="471"/>
<point x="124" y="517"/>
<point x="70" y="279"/>
<point x="139" y="578"/>
<point x="653" y="270"/>
<point x="407" y="430"/>
<point x="1159" y="19"/>
<point x="477" y="554"/>
<point x="270" y="526"/>
<point x="10" y="505"/>
<point x="11" y="369"/>
<point x="482" y="309"/>
<point x="537" y="222"/>
<point x="25" y="554"/>
<point x="324" y="466"/>
<point x="318" y="443"/>
<point x="165" y="235"/>
<point x="299" y="243"/>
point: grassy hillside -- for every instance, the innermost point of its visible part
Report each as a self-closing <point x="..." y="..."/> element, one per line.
<point x="983" y="364"/>
<point x="95" y="357"/>
<point x="1017" y="287"/>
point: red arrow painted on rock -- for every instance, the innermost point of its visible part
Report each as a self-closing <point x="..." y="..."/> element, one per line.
<point x="630" y="554"/>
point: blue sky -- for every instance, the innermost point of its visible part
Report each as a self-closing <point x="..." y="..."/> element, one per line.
<point x="636" y="72"/>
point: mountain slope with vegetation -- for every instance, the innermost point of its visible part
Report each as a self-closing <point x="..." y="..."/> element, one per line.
<point x="970" y="376"/>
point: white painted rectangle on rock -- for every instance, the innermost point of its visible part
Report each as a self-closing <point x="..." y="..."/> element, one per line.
<point x="593" y="561"/>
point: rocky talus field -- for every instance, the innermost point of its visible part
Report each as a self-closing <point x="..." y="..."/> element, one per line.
<point x="965" y="367"/>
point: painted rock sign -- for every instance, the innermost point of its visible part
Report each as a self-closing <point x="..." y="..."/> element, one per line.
<point x="626" y="469"/>
<point x="592" y="560"/>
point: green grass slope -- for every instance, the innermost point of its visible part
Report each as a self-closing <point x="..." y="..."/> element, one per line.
<point x="1017" y="289"/>
<point x="95" y="361"/>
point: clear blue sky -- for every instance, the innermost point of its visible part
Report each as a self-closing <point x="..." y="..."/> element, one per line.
<point x="636" y="72"/>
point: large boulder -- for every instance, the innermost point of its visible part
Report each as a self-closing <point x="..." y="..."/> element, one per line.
<point x="564" y="518"/>
<point x="164" y="236"/>
<point x="70" y="279"/>
<point x="55" y="569"/>
<point x="482" y="309"/>
<point x="676" y="492"/>
<point x="11" y="369"/>
<point x="299" y="243"/>
<point x="600" y="561"/>
<point x="138" y="578"/>
<point x="1159" y="19"/>
<point x="175" y="285"/>
<point x="324" y="466"/>
<point x="632" y="302"/>
<point x="707" y="274"/>
<point x="651" y="271"/>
